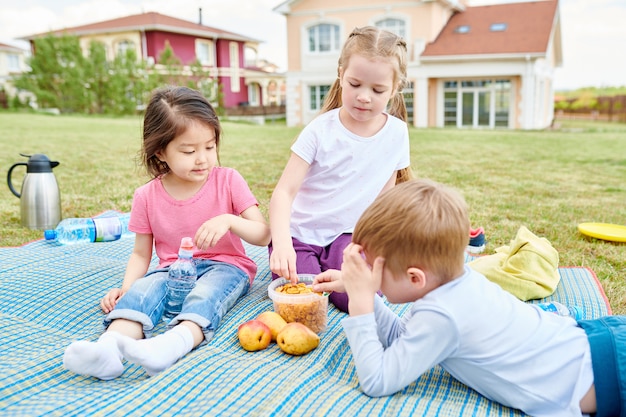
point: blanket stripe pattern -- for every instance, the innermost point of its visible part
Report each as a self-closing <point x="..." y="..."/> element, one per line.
<point x="49" y="297"/>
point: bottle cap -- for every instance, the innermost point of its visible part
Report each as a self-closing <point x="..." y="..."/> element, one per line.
<point x="50" y="234"/>
<point x="186" y="243"/>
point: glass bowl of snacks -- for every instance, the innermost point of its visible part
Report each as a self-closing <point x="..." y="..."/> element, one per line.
<point x="298" y="302"/>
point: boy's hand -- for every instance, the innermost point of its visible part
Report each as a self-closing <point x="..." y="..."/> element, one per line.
<point x="360" y="281"/>
<point x="329" y="280"/>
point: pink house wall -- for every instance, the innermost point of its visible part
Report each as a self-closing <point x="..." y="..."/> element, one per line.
<point x="184" y="48"/>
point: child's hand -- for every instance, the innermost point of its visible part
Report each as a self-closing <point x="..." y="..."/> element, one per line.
<point x="283" y="263"/>
<point x="360" y="281"/>
<point x="110" y="299"/>
<point x="329" y="280"/>
<point x="212" y="231"/>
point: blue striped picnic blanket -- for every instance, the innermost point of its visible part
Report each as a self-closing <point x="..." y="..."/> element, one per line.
<point x="49" y="297"/>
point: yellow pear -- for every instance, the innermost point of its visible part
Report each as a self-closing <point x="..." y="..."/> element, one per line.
<point x="254" y="335"/>
<point x="274" y="321"/>
<point x="297" y="339"/>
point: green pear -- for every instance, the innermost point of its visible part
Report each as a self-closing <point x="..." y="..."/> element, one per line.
<point x="297" y="339"/>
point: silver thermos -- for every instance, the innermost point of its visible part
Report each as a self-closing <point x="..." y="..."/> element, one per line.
<point x="40" y="199"/>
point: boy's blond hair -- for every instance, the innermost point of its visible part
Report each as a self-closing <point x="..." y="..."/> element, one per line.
<point x="419" y="223"/>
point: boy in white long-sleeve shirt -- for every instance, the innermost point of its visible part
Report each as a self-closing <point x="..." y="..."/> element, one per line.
<point x="410" y="244"/>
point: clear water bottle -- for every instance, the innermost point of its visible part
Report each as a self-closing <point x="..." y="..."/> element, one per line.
<point x="181" y="279"/>
<point x="125" y="219"/>
<point x="562" y="310"/>
<point x="90" y="229"/>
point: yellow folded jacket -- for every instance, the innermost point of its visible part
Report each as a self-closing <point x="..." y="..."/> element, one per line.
<point x="527" y="268"/>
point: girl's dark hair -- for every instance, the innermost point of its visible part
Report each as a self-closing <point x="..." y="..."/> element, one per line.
<point x="375" y="43"/>
<point x="170" y="111"/>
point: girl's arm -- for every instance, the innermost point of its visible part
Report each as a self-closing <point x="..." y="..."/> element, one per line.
<point x="283" y="258"/>
<point x="137" y="266"/>
<point x="250" y="226"/>
<point x="390" y="183"/>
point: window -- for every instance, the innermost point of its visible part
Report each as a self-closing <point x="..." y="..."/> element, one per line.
<point x="235" y="78"/>
<point x="318" y="94"/>
<point x="449" y="108"/>
<point x="477" y="103"/>
<point x="462" y="29"/>
<point x="123" y="46"/>
<point x="13" y="62"/>
<point x="324" y="38"/>
<point x="204" y="52"/>
<point x="502" y="105"/>
<point x="407" y="93"/>
<point x="253" y="94"/>
<point x="498" y="27"/>
<point x="396" y="26"/>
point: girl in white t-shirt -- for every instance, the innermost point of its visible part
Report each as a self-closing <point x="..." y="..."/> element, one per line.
<point x="354" y="150"/>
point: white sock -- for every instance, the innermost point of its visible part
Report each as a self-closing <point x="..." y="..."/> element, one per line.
<point x="101" y="359"/>
<point x="160" y="352"/>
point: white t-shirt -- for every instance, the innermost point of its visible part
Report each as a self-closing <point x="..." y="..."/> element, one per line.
<point x="346" y="174"/>
<point x="509" y="351"/>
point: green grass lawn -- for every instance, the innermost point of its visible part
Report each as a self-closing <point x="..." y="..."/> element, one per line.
<point x="548" y="181"/>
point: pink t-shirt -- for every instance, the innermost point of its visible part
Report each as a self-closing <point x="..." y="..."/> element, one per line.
<point x="155" y="212"/>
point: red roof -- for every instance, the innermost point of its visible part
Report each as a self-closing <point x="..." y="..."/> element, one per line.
<point x="10" y="48"/>
<point x="528" y="29"/>
<point x="151" y="21"/>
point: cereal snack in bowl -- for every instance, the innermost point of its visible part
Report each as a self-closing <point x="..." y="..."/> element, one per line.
<point x="298" y="302"/>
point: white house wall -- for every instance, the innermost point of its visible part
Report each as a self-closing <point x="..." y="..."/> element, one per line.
<point x="533" y="111"/>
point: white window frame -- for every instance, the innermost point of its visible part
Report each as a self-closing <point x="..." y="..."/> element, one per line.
<point x="334" y="41"/>
<point x="254" y="94"/>
<point x="316" y="96"/>
<point x="393" y="24"/>
<point x="209" y="47"/>
<point x="13" y="62"/>
<point x="494" y="88"/>
<point x="235" y="69"/>
<point x="122" y="46"/>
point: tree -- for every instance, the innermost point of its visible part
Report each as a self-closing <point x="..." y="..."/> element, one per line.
<point x="202" y="81"/>
<point x="57" y="77"/>
<point x="586" y="100"/>
<point x="98" y="77"/>
<point x="61" y="77"/>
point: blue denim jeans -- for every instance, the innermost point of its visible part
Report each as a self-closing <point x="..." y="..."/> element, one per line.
<point x="607" y="340"/>
<point x="217" y="289"/>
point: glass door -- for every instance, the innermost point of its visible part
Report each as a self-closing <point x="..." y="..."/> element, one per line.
<point x="476" y="108"/>
<point x="467" y="112"/>
<point x="477" y="103"/>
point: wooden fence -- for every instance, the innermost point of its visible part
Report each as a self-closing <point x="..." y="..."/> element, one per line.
<point x="606" y="108"/>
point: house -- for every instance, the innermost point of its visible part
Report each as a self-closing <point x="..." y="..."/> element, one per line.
<point x="224" y="55"/>
<point x="12" y="63"/>
<point x="469" y="67"/>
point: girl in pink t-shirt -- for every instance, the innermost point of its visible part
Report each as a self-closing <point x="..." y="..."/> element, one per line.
<point x="189" y="195"/>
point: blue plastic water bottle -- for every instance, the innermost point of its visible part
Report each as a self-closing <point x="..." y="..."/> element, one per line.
<point x="181" y="279"/>
<point x="90" y="229"/>
<point x="562" y="310"/>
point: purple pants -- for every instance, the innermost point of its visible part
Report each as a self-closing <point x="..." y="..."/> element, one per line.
<point x="312" y="259"/>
